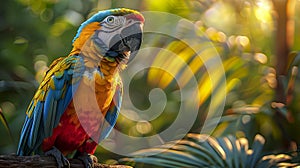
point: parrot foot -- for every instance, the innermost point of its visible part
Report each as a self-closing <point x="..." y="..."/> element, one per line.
<point x="87" y="159"/>
<point x="61" y="160"/>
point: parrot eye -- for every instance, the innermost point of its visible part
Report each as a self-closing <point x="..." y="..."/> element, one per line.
<point x="110" y="19"/>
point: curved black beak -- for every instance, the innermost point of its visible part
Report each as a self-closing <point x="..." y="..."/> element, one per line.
<point x="132" y="36"/>
<point x="130" y="39"/>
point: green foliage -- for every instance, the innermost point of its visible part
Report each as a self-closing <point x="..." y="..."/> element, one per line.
<point x="199" y="150"/>
<point x="250" y="75"/>
<point x="5" y="123"/>
<point x="239" y="33"/>
<point x="250" y="85"/>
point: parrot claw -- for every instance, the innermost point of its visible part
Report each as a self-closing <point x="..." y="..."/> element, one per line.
<point x="87" y="159"/>
<point x="61" y="160"/>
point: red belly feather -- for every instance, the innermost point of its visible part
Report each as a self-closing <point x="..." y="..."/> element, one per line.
<point x="69" y="135"/>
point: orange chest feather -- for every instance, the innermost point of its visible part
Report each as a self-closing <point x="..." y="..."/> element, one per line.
<point x="97" y="88"/>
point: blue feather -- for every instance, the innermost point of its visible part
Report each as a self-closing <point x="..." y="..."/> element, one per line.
<point x="35" y="124"/>
<point x="24" y="136"/>
<point x="46" y="113"/>
<point x="49" y="112"/>
<point x="59" y="82"/>
<point x="98" y="17"/>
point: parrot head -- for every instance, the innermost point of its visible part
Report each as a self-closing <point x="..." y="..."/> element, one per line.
<point x="114" y="34"/>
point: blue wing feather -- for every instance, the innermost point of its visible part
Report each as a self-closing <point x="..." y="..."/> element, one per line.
<point x="44" y="114"/>
<point x="35" y="124"/>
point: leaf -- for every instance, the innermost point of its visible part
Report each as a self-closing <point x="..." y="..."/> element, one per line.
<point x="203" y="141"/>
<point x="201" y="150"/>
<point x="293" y="58"/>
<point x="227" y="147"/>
<point x="257" y="147"/>
<point x="235" y="151"/>
<point x="5" y="123"/>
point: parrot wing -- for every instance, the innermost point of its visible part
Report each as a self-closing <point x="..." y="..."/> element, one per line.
<point x="49" y="102"/>
<point x="113" y="112"/>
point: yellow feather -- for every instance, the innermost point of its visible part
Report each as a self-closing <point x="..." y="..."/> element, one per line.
<point x="52" y="84"/>
<point x="37" y="94"/>
<point x="99" y="80"/>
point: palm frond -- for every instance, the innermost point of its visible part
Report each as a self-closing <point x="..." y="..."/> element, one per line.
<point x="200" y="150"/>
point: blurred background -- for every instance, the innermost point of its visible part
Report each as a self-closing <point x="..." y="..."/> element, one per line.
<point x="256" y="40"/>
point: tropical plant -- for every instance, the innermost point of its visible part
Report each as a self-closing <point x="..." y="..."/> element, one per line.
<point x="200" y="150"/>
<point x="259" y="97"/>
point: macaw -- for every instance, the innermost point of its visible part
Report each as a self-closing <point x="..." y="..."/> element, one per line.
<point x="78" y="101"/>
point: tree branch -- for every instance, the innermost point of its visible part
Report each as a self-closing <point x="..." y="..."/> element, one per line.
<point x="14" y="161"/>
<point x="284" y="41"/>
